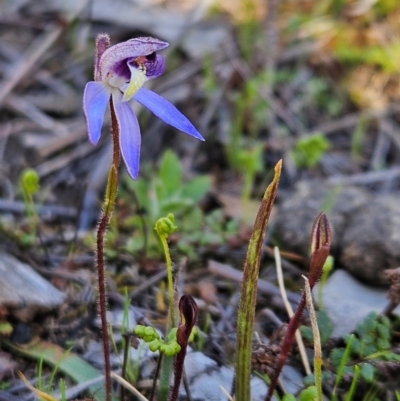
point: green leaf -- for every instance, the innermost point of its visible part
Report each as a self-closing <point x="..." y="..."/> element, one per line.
<point x="306" y="333"/>
<point x="368" y="350"/>
<point x="176" y="206"/>
<point x="368" y="325"/>
<point x="140" y="188"/>
<point x="170" y="172"/>
<point x="309" y="394"/>
<point x="5" y="328"/>
<point x="356" y="346"/>
<point x="367" y="372"/>
<point x="289" y="397"/>
<point x="309" y="150"/>
<point x="382" y="344"/>
<point x="383" y="331"/>
<point x="336" y="356"/>
<point x="390" y="356"/>
<point x="385" y="321"/>
<point x="368" y="339"/>
<point x="248" y="292"/>
<point x="192" y="221"/>
<point x="70" y="364"/>
<point x="197" y="188"/>
<point x="309" y="380"/>
<point x="325" y="325"/>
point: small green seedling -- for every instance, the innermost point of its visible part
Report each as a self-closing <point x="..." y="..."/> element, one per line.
<point x="164" y="191"/>
<point x="370" y="344"/>
<point x="29" y="186"/>
<point x="309" y="150"/>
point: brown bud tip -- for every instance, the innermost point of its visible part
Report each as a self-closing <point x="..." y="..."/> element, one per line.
<point x="321" y="240"/>
<point x="188" y="309"/>
<point x="321" y="233"/>
<point x="102" y="44"/>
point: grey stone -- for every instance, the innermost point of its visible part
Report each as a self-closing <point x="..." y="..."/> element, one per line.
<point x="206" y="379"/>
<point x="348" y="302"/>
<point x="298" y="210"/>
<point x="371" y="241"/>
<point x="23" y="292"/>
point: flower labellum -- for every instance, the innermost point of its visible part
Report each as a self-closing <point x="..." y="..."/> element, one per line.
<point x="120" y="72"/>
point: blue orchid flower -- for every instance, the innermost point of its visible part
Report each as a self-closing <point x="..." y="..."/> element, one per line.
<point x="120" y="72"/>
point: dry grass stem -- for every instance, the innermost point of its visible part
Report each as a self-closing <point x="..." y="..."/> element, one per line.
<point x="128" y="386"/>
<point x="299" y="340"/>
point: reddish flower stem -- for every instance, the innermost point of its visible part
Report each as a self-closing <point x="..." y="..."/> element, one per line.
<point x="286" y="345"/>
<point x="100" y="246"/>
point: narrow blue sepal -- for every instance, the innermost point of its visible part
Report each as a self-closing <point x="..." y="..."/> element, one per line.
<point x="129" y="134"/>
<point x="95" y="100"/>
<point x="166" y="111"/>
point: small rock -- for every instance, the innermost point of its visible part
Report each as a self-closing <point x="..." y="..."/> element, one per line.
<point x="297" y="212"/>
<point x="23" y="292"/>
<point x="371" y="241"/>
<point x="94" y="355"/>
<point x="291" y="380"/>
<point x="348" y="302"/>
<point x="206" y="379"/>
<point x="197" y="363"/>
<point x="365" y="227"/>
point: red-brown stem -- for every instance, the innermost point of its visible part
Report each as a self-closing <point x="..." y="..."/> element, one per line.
<point x="102" y="300"/>
<point x="101" y="280"/>
<point x="286" y="345"/>
<point x="178" y="371"/>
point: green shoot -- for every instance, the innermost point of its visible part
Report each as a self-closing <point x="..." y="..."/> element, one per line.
<point x="353" y="386"/>
<point x="39" y="372"/>
<point x="29" y="186"/>
<point x="317" y="340"/>
<point x="63" y="390"/>
<point x="249" y="289"/>
<point x="326" y="270"/>
<point x="309" y="150"/>
<point x="340" y="370"/>
<point x="164" y="227"/>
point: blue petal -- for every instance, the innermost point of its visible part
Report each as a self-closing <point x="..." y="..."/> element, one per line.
<point x="95" y="100"/>
<point x="166" y="111"/>
<point x="129" y="134"/>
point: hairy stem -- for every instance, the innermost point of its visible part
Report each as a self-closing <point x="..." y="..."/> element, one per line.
<point x="170" y="282"/>
<point x="108" y="205"/>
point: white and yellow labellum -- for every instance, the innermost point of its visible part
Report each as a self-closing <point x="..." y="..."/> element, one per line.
<point x="138" y="78"/>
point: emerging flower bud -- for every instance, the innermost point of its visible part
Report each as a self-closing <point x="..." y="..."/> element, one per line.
<point x="188" y="309"/>
<point x="321" y="240"/>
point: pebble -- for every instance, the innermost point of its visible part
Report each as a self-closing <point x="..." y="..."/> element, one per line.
<point x="348" y="301"/>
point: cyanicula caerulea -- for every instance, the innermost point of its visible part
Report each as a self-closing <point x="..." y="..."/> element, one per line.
<point x="120" y="72"/>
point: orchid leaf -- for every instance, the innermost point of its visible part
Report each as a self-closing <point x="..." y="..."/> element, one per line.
<point x="248" y="292"/>
<point x="170" y="172"/>
<point x="197" y="188"/>
<point x="67" y="362"/>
